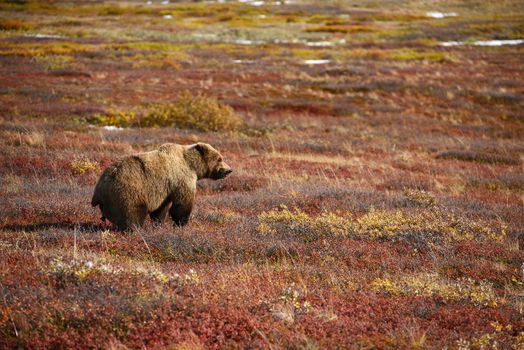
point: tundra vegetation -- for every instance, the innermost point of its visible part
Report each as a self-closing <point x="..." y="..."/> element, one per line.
<point x="378" y="193"/>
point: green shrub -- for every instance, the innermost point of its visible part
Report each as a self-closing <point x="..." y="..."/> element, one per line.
<point x="190" y="111"/>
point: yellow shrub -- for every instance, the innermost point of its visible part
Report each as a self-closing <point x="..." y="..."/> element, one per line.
<point x="192" y="112"/>
<point x="432" y="225"/>
<point x="52" y="62"/>
<point x="420" y="197"/>
<point x="429" y="284"/>
<point x="385" y="285"/>
<point x="114" y="118"/>
<point x="80" y="166"/>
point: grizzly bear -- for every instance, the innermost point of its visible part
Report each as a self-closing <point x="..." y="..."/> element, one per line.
<point x="156" y="183"/>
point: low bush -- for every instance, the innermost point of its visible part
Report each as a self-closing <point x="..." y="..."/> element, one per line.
<point x="479" y="293"/>
<point x="80" y="166"/>
<point x="13" y="24"/>
<point x="191" y="111"/>
<point x="435" y="225"/>
<point x="480" y="157"/>
<point x="52" y="62"/>
<point x="114" y="118"/>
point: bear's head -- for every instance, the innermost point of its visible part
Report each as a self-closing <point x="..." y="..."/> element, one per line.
<point x="214" y="166"/>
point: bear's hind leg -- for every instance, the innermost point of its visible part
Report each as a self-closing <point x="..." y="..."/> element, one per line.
<point x="135" y="217"/>
<point x="160" y="214"/>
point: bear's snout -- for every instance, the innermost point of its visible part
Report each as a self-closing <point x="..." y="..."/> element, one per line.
<point x="222" y="172"/>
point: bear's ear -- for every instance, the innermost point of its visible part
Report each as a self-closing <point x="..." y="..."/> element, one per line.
<point x="201" y="148"/>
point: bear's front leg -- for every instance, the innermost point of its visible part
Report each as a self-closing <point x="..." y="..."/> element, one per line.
<point x="180" y="213"/>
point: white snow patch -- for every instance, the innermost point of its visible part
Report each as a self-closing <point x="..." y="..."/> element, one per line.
<point x="165" y="2"/>
<point x="112" y="128"/>
<point x="316" y="61"/>
<point x="262" y="3"/>
<point x="484" y="43"/>
<point x="248" y="42"/>
<point x="319" y="43"/>
<point x="44" y="36"/>
<point x="168" y="16"/>
<point x="436" y="14"/>
<point x="149" y="2"/>
<point x="204" y="35"/>
<point x="452" y="43"/>
<point x="498" y="42"/>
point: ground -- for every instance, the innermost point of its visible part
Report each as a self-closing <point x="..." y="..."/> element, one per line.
<point x="377" y="199"/>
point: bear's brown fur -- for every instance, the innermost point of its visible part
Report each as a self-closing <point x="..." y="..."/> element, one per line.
<point x="156" y="183"/>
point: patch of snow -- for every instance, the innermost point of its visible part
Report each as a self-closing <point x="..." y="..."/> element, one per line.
<point x="204" y="35"/>
<point x="248" y="42"/>
<point x="44" y="36"/>
<point x="112" y="128"/>
<point x="165" y="2"/>
<point x="319" y="43"/>
<point x="242" y="61"/>
<point x="316" y="61"/>
<point x="435" y="14"/>
<point x="149" y="2"/>
<point x="498" y="42"/>
<point x="484" y="43"/>
<point x="168" y="16"/>
<point x="452" y="43"/>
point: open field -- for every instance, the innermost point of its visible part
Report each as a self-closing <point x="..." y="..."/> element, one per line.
<point x="377" y="198"/>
